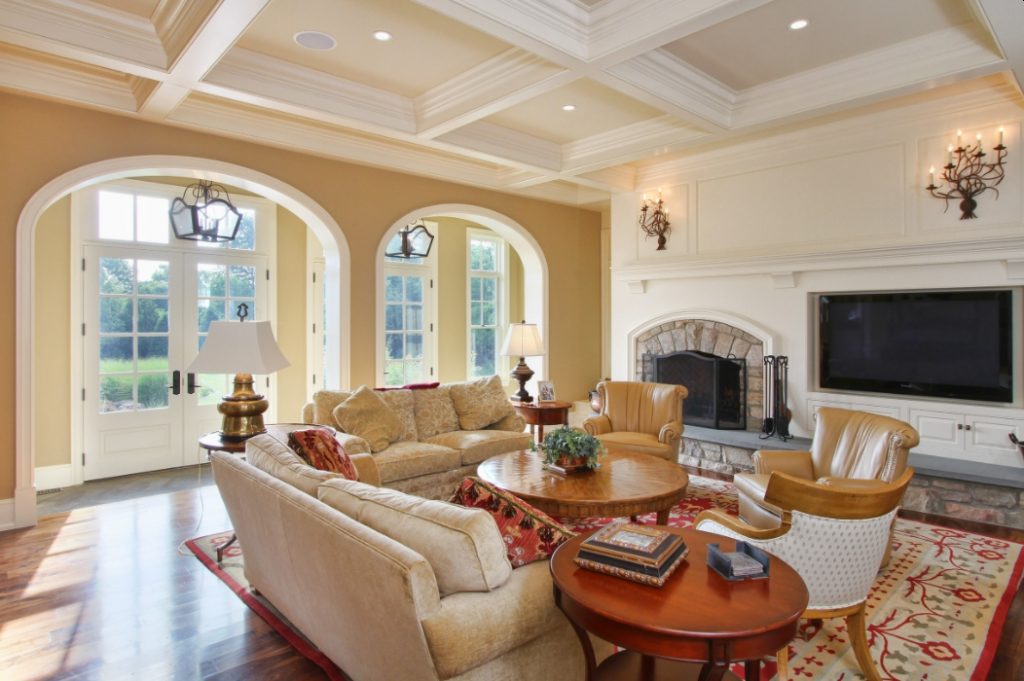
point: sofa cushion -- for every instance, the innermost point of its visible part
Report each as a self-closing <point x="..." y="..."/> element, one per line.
<point x="273" y="457"/>
<point x="404" y="460"/>
<point x="435" y="412"/>
<point x="529" y="533"/>
<point x="480" y="403"/>
<point x="462" y="545"/>
<point x="324" y="402"/>
<point x="402" y="403"/>
<point x="643" y="443"/>
<point x="477" y="445"/>
<point x="365" y="414"/>
<point x="318" y="448"/>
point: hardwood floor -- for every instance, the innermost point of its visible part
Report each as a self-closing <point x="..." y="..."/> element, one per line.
<point x="104" y="593"/>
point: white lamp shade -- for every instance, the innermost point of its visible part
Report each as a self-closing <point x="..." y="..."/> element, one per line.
<point x="239" y="348"/>
<point x="522" y="340"/>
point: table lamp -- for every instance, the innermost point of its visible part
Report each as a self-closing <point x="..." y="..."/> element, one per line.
<point x="242" y="348"/>
<point x="522" y="341"/>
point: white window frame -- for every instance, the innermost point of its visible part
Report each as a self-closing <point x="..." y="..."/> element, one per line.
<point x="501" y="277"/>
<point x="427" y="268"/>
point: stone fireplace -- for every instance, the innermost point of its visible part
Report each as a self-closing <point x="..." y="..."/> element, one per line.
<point x="704" y="335"/>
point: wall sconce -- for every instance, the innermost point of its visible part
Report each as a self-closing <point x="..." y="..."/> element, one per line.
<point x="966" y="175"/>
<point x="653" y="220"/>
<point x="204" y="212"/>
<point x="414" y="241"/>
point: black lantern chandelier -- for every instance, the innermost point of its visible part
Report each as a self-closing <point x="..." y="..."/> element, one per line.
<point x="653" y="220"/>
<point x="414" y="242"/>
<point x="204" y="212"/>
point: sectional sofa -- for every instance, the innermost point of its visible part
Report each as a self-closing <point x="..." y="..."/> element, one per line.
<point x="390" y="585"/>
<point x="433" y="452"/>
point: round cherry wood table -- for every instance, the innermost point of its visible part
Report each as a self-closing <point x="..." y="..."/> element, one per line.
<point x="626" y="484"/>
<point x="693" y="627"/>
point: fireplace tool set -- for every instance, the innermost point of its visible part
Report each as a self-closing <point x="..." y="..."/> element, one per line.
<point x="776" y="413"/>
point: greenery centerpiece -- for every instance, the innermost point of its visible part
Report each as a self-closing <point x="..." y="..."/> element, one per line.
<point x="571" y="449"/>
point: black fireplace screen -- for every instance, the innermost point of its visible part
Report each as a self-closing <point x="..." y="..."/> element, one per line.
<point x="717" y="386"/>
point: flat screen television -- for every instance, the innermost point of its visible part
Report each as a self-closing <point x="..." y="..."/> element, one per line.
<point x="947" y="344"/>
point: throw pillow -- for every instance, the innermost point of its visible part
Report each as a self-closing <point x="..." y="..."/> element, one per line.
<point x="365" y="415"/>
<point x="275" y="458"/>
<point x="402" y="403"/>
<point x="529" y="533"/>
<point x="435" y="412"/>
<point x="324" y="402"/>
<point x="320" y="450"/>
<point x="481" y="402"/>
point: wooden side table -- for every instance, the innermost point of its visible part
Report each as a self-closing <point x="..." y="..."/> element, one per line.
<point x="540" y="414"/>
<point x="693" y="627"/>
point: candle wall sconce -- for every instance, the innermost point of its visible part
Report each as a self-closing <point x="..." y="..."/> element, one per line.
<point x="653" y="220"/>
<point x="967" y="174"/>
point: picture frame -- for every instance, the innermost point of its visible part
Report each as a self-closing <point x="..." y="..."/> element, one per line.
<point x="545" y="391"/>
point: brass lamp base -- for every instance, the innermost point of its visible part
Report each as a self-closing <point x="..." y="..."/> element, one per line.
<point x="522" y="373"/>
<point x="242" y="410"/>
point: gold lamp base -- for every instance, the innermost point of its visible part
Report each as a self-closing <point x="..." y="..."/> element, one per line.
<point x="243" y="410"/>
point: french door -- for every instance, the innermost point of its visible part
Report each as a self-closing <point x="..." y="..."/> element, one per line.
<point x="146" y="314"/>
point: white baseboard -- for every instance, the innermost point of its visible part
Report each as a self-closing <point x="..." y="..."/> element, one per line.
<point x="6" y="514"/>
<point x="52" y="477"/>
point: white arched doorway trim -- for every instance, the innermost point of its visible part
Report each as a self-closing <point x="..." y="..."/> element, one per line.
<point x="762" y="334"/>
<point x="535" y="269"/>
<point x="336" y="253"/>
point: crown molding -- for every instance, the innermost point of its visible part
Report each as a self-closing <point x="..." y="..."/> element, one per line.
<point x="300" y="88"/>
<point x="75" y="84"/>
<point x="1002" y="20"/>
<point x="671" y="79"/>
<point x="505" y="80"/>
<point x="627" y="143"/>
<point x="619" y="178"/>
<point x="504" y="144"/>
<point x="937" y="58"/>
<point x="177" y="21"/>
<point x="1000" y="248"/>
<point x="78" y="28"/>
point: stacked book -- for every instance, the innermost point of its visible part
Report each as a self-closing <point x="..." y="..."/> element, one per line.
<point x="640" y="553"/>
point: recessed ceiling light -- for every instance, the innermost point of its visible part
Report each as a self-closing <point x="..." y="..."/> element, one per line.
<point x="569" y="107"/>
<point x="798" y="24"/>
<point x="315" y="40"/>
<point x="382" y="36"/>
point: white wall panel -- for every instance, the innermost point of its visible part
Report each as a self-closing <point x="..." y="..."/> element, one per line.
<point x="850" y="198"/>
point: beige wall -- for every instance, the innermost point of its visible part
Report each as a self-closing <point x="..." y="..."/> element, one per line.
<point x="291" y="313"/>
<point x="52" y="403"/>
<point x="43" y="140"/>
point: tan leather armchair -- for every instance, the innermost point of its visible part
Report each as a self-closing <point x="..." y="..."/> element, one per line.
<point x="850" y="449"/>
<point x="639" y="417"/>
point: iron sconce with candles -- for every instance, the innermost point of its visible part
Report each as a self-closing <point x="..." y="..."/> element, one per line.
<point x="967" y="174"/>
<point x="653" y="220"/>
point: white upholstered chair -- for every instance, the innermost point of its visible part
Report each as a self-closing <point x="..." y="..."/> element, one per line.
<point x="835" y="541"/>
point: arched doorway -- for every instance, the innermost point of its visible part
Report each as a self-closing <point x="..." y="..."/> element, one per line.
<point x="535" y="269"/>
<point x="336" y="253"/>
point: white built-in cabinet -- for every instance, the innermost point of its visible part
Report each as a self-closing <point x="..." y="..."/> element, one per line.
<point x="960" y="431"/>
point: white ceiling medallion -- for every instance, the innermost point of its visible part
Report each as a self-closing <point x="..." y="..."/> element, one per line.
<point x="798" y="24"/>
<point x="315" y="40"/>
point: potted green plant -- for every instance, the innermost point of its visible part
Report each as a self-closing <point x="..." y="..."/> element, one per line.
<point x="571" y="449"/>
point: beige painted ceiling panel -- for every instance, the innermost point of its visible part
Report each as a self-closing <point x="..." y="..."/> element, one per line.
<point x="426" y="50"/>
<point x="598" y="109"/>
<point x="757" y="47"/>
<point x="142" y="8"/>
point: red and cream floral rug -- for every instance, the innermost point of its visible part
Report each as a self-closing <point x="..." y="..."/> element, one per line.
<point x="935" y="612"/>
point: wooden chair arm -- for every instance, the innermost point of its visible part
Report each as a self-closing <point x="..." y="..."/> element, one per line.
<point x="795" y="463"/>
<point x="731" y="522"/>
<point x="835" y="501"/>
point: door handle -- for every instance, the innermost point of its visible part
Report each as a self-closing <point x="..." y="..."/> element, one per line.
<point x="175" y="385"/>
<point x="967" y="427"/>
<point x="191" y="384"/>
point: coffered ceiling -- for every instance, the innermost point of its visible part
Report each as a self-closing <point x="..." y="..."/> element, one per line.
<point x="474" y="91"/>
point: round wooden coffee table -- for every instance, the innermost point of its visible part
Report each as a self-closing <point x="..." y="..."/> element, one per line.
<point x="626" y="484"/>
<point x="697" y="617"/>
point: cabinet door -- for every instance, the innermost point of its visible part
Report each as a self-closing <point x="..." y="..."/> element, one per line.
<point x="988" y="440"/>
<point x="942" y="433"/>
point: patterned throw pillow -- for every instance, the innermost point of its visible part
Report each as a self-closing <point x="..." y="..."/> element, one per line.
<point x="481" y="402"/>
<point x="319" y="449"/>
<point x="366" y="415"/>
<point x="435" y="412"/>
<point x="529" y="534"/>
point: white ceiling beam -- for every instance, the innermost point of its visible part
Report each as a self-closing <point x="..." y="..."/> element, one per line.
<point x="216" y="34"/>
<point x="1004" y="21"/>
<point x="628" y="143"/>
<point x="505" y="145"/>
<point x="74" y="83"/>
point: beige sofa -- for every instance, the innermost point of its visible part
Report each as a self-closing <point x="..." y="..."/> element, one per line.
<point x="393" y="586"/>
<point x="433" y="454"/>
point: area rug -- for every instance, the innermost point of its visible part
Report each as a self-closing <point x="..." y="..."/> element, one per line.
<point x="934" y="614"/>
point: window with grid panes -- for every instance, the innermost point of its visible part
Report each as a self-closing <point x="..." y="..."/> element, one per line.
<point x="486" y="313"/>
